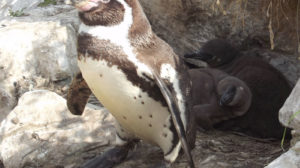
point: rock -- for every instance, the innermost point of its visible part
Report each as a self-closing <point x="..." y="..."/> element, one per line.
<point x="38" y="48"/>
<point x="6" y="103"/>
<point x="45" y="49"/>
<point x="25" y="7"/>
<point x="290" y="159"/>
<point x="41" y="132"/>
<point x="32" y="54"/>
<point x="289" y="114"/>
<point x="244" y="23"/>
<point x="17" y="5"/>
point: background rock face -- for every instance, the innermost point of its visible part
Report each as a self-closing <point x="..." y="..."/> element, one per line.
<point x="41" y="131"/>
<point x="244" y="23"/>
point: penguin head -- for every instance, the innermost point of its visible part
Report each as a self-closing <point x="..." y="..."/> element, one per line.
<point x="235" y="94"/>
<point x="215" y="53"/>
<point x="218" y="52"/>
<point x="102" y="12"/>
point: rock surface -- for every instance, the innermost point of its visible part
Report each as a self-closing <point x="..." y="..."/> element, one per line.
<point x="244" y="23"/>
<point x="36" y="49"/>
<point x="41" y="132"/>
<point x="290" y="159"/>
<point x="289" y="114"/>
<point x="6" y="103"/>
<point x="45" y="49"/>
<point x="7" y="5"/>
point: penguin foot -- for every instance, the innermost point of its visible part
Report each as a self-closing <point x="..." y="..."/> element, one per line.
<point x="110" y="158"/>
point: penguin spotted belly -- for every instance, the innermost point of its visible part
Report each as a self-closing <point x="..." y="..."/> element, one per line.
<point x="136" y="112"/>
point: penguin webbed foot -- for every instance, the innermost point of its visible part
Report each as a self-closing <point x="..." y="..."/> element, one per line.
<point x="110" y="158"/>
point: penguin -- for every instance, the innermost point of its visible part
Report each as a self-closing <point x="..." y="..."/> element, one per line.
<point x="268" y="86"/>
<point x="136" y="76"/>
<point x="217" y="96"/>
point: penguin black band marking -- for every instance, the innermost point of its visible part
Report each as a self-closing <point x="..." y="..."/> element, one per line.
<point x="104" y="50"/>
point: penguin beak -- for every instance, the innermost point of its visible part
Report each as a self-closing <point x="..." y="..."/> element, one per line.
<point x="228" y="96"/>
<point x="85" y="5"/>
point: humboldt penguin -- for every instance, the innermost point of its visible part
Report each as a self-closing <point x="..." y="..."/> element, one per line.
<point x="268" y="86"/>
<point x="217" y="96"/>
<point x="136" y="76"/>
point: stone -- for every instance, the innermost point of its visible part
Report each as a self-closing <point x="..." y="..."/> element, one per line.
<point x="40" y="131"/>
<point x="244" y="23"/>
<point x="17" y="5"/>
<point x="290" y="159"/>
<point x="36" y="49"/>
<point x="47" y="49"/>
<point x="289" y="114"/>
<point x="6" y="103"/>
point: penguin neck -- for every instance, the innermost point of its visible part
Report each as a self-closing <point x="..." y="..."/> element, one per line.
<point x="135" y="27"/>
<point x="140" y="33"/>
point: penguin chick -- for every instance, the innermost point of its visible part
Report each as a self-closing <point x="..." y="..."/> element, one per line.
<point x="268" y="86"/>
<point x="217" y="96"/>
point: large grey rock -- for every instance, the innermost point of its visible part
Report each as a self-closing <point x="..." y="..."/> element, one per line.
<point x="36" y="49"/>
<point x="289" y="114"/>
<point x="290" y="159"/>
<point x="33" y="53"/>
<point x="6" y="5"/>
<point x="27" y="6"/>
<point x="6" y="103"/>
<point x="41" y="132"/>
<point x="45" y="49"/>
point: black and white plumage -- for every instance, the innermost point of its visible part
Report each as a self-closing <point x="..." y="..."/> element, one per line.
<point x="135" y="75"/>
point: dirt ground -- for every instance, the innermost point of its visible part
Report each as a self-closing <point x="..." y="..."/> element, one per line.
<point x="214" y="149"/>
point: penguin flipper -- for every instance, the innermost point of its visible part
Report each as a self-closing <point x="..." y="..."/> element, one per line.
<point x="78" y="95"/>
<point x="175" y="113"/>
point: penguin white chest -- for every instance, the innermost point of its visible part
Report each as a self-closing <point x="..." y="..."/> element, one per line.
<point x="134" y="109"/>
